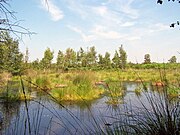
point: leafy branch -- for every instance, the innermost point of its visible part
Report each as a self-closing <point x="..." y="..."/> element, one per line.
<point x="172" y="25"/>
<point x="161" y="1"/>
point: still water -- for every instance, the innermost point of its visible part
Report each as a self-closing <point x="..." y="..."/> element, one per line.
<point x="44" y="116"/>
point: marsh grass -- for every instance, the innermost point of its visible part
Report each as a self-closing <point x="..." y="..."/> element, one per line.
<point x="159" y="114"/>
<point x="29" y="122"/>
<point x="43" y="82"/>
<point x="115" y="92"/>
<point x="159" y="117"/>
<point x="80" y="87"/>
<point x="162" y="117"/>
<point x="13" y="92"/>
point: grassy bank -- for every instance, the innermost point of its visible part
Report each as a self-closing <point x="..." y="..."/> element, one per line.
<point x="78" y="85"/>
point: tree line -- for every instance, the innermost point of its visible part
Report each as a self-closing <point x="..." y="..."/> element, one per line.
<point x="82" y="59"/>
<point x="13" y="61"/>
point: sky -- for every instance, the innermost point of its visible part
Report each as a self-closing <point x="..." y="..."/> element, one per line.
<point x="141" y="26"/>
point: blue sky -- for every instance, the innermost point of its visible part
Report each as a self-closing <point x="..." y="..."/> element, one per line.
<point x="142" y="26"/>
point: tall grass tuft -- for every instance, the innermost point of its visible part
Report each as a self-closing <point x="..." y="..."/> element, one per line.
<point x="158" y="113"/>
<point x="84" y="83"/>
<point x="82" y="87"/>
<point x="115" y="92"/>
<point x="43" y="82"/>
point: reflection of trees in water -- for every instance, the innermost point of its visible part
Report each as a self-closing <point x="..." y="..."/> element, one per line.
<point x="9" y="110"/>
<point x="48" y="115"/>
<point x="81" y="110"/>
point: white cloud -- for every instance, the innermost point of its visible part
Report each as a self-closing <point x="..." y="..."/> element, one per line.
<point x="132" y="38"/>
<point x="84" y="36"/>
<point x="114" y="20"/>
<point x="101" y="10"/>
<point x="140" y="32"/>
<point x="98" y="32"/>
<point x="127" y="24"/>
<point x="110" y="14"/>
<point x="125" y="7"/>
<point x="158" y="27"/>
<point x="104" y="33"/>
<point x="55" y="13"/>
<point x="78" y="8"/>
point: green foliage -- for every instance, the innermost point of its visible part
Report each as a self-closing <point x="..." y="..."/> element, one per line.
<point x="79" y="87"/>
<point x="120" y="59"/>
<point x="60" y="60"/>
<point x="70" y="58"/>
<point x="84" y="83"/>
<point x="10" y="57"/>
<point x="100" y="60"/>
<point x="123" y="57"/>
<point x="91" y="56"/>
<point x="43" y="82"/>
<point x="147" y="59"/>
<point x="12" y="92"/>
<point x="81" y="59"/>
<point x="115" y="92"/>
<point x="47" y="59"/>
<point x="107" y="60"/>
<point x="156" y="66"/>
<point x="26" y="57"/>
<point x="173" y="59"/>
<point x="35" y="64"/>
<point x="116" y="60"/>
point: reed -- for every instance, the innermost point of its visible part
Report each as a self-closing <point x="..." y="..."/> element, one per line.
<point x="115" y="92"/>
<point x="43" y="82"/>
<point x="82" y="87"/>
<point x="159" y="114"/>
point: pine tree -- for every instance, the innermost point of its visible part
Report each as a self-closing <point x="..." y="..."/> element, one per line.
<point x="123" y="57"/>
<point x="10" y="57"/>
<point x="107" y="60"/>
<point x="91" y="56"/>
<point x="70" y="58"/>
<point x="100" y="60"/>
<point x="173" y="59"/>
<point x="60" y="60"/>
<point x="116" y="60"/>
<point x="47" y="59"/>
<point x="147" y="59"/>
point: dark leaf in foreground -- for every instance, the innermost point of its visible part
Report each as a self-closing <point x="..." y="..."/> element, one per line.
<point x="159" y="2"/>
<point x="172" y="25"/>
<point x="177" y="22"/>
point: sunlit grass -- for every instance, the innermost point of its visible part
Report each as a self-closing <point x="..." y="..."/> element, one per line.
<point x="80" y="87"/>
<point x="115" y="92"/>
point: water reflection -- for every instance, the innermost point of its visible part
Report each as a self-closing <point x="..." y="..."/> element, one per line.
<point x="49" y="117"/>
<point x="9" y="111"/>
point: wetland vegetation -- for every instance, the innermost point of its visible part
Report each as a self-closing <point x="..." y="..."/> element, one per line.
<point x="86" y="93"/>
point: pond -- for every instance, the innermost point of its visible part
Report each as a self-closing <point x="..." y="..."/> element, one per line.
<point x="42" y="115"/>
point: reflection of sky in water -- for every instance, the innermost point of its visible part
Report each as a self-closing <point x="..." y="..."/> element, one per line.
<point x="49" y="117"/>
